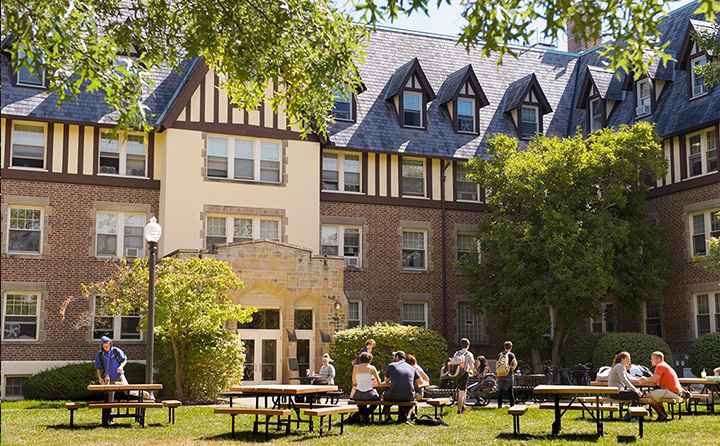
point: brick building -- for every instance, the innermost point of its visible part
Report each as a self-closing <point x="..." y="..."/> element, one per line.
<point x="385" y="197"/>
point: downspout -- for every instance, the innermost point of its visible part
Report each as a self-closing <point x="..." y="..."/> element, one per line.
<point x="445" y="165"/>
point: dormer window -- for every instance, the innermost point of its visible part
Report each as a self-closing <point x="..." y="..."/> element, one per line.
<point x="412" y="112"/>
<point x="462" y="97"/>
<point x="596" y="121"/>
<point x="466" y="115"/>
<point x="25" y="78"/>
<point x="525" y="105"/>
<point x="699" y="88"/>
<point x="529" y="121"/>
<point x="600" y="95"/>
<point x="342" y="104"/>
<point x="644" y="98"/>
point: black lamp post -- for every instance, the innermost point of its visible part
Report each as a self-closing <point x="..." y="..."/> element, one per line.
<point x="152" y="234"/>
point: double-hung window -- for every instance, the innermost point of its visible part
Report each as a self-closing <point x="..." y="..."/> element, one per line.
<point x="20" y="316"/>
<point x="707" y="312"/>
<point x="25" y="231"/>
<point x="339" y="240"/>
<point x="28" y="146"/>
<point x="412" y="109"/>
<point x="414" y="249"/>
<point x="704" y="226"/>
<point x="122" y="157"/>
<point x="606" y="321"/>
<point x="120" y="234"/>
<point x="243" y="159"/>
<point x="644" y="102"/>
<point x="415" y="314"/>
<point x="115" y="326"/>
<point x="530" y="121"/>
<point x="699" y="88"/>
<point x="342" y="104"/>
<point x="341" y="172"/>
<point x="596" y="121"/>
<point x="653" y="318"/>
<point x="466" y="115"/>
<point x="354" y="313"/>
<point x="467" y="189"/>
<point x="466" y="246"/>
<point x="234" y="229"/>
<point x="470" y="324"/>
<point x="702" y="153"/>
<point x="413" y="177"/>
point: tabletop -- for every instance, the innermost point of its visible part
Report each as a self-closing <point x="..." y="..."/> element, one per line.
<point x="698" y="381"/>
<point x="599" y="383"/>
<point x="284" y="389"/>
<point x="544" y="388"/>
<point x="121" y="387"/>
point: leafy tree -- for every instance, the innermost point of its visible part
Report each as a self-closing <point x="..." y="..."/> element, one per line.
<point x="631" y="27"/>
<point x="710" y="43"/>
<point x="305" y="47"/>
<point x="189" y="303"/>
<point x="567" y="227"/>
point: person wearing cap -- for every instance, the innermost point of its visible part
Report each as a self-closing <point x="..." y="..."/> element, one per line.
<point x="402" y="378"/>
<point x="327" y="372"/>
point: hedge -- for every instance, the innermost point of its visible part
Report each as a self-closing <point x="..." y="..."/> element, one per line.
<point x="639" y="345"/>
<point x="705" y="354"/>
<point x="428" y="346"/>
<point x="70" y="382"/>
<point x="580" y="349"/>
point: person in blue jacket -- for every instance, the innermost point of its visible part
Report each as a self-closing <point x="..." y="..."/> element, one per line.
<point x="109" y="363"/>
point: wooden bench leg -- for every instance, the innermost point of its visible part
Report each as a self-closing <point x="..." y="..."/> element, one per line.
<point x="72" y="411"/>
<point x="342" y="422"/>
<point x="640" y="421"/>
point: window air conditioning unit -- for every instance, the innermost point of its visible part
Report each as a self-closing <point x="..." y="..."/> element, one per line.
<point x="352" y="261"/>
<point x="107" y="169"/>
<point x="468" y="196"/>
<point x="131" y="252"/>
<point x="699" y="89"/>
<point x="642" y="110"/>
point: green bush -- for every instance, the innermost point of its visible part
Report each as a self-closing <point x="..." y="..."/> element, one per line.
<point x="214" y="363"/>
<point x="70" y="382"/>
<point x="705" y="354"/>
<point x="639" y="345"/>
<point x="428" y="346"/>
<point x="580" y="349"/>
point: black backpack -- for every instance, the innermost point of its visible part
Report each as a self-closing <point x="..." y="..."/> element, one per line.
<point x="115" y="354"/>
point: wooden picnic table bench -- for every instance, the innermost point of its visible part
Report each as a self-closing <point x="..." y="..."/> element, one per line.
<point x="323" y="412"/>
<point x="574" y="391"/>
<point x="268" y="413"/>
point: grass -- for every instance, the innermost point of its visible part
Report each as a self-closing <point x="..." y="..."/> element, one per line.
<point x="47" y="423"/>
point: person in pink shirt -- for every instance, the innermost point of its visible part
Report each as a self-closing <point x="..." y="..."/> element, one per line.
<point x="664" y="377"/>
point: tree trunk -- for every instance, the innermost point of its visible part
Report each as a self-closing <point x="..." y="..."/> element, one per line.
<point x="536" y="360"/>
<point x="178" y="368"/>
<point x="558" y="346"/>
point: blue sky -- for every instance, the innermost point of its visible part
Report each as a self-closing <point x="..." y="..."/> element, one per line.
<point x="447" y="19"/>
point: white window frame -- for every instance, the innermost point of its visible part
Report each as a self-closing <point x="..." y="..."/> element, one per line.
<point x="41" y="125"/>
<point x="643" y="100"/>
<point x="424" y="250"/>
<point x="695" y="84"/>
<point x="343" y="96"/>
<point x="8" y="395"/>
<point x="257" y="230"/>
<point x="259" y="159"/>
<point x="462" y="173"/>
<point x="477" y="319"/>
<point x="645" y="316"/>
<point x="602" y="319"/>
<point x="10" y="229"/>
<point x="536" y="123"/>
<point x="710" y="228"/>
<point x="475" y="244"/>
<point x="23" y="70"/>
<point x="419" y="110"/>
<point x="120" y="235"/>
<point x="472" y="116"/>
<point x="415" y="322"/>
<point x="422" y="165"/>
<point x="123" y="151"/>
<point x="704" y="150"/>
<point x="713" y="314"/>
<point x="38" y="299"/>
<point x="117" y="320"/>
<point x="350" y="261"/>
<point x="596" y="120"/>
<point x="359" y="320"/>
<point x="341" y="171"/>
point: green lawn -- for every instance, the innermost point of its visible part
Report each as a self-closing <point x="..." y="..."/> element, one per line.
<point x="33" y="423"/>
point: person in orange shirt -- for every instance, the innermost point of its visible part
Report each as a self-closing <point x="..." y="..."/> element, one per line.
<point x="664" y="377"/>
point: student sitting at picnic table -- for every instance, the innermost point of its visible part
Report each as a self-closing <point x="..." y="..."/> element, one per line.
<point x="618" y="377"/>
<point x="402" y="378"/>
<point x="426" y="380"/>
<point x="667" y="379"/>
<point x="327" y="372"/>
<point x="362" y="377"/>
<point x="481" y="370"/>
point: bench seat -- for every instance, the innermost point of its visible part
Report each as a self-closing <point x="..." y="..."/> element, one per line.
<point x="306" y="405"/>
<point x="171" y="405"/>
<point x="124" y="405"/>
<point x="640" y="413"/>
<point x="578" y="406"/>
<point x="72" y="407"/>
<point x="517" y="411"/>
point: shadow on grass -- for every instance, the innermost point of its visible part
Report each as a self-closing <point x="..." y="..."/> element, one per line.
<point x="87" y="427"/>
<point x="627" y="439"/>
<point x="249" y="437"/>
<point x="571" y="437"/>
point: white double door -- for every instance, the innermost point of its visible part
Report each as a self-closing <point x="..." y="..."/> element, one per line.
<point x="262" y="356"/>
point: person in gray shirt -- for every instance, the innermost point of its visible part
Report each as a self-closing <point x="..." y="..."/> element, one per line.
<point x="619" y="378"/>
<point x="402" y="378"/>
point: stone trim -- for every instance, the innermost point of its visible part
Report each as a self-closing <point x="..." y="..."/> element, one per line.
<point x="425" y="298"/>
<point x="110" y="206"/>
<point x="21" y="201"/>
<point x="238" y="211"/>
<point x="692" y="289"/>
<point x="364" y="304"/>
<point x="694" y="208"/>
<point x="416" y="225"/>
<point x="31" y="287"/>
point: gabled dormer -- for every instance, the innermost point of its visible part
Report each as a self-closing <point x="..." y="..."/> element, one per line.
<point x="409" y="92"/>
<point x="692" y="56"/>
<point x="345" y="103"/>
<point x="526" y="104"/>
<point x="649" y="87"/>
<point x="22" y="76"/>
<point x="463" y="97"/>
<point x="600" y="95"/>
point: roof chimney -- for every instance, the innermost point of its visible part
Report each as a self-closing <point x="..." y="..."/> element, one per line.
<point x="579" y="45"/>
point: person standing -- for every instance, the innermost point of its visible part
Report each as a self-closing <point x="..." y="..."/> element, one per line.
<point x="110" y="364"/>
<point x="461" y="367"/>
<point x="402" y="378"/>
<point x="664" y="377"/>
<point x="369" y="344"/>
<point x="505" y="367"/>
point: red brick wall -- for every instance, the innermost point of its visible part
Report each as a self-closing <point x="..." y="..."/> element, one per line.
<point x="67" y="264"/>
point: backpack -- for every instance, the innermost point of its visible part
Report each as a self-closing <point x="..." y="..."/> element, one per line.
<point x="503" y="364"/>
<point x="603" y="374"/>
<point x="115" y="354"/>
<point x="458" y="365"/>
<point x="489" y="383"/>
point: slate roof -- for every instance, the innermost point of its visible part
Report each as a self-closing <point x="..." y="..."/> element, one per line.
<point x="455" y="82"/>
<point x="518" y="90"/>
<point x="402" y="75"/>
<point x="607" y="83"/>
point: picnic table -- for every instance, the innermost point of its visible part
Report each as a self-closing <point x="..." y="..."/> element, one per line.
<point x="710" y="388"/>
<point x="139" y="405"/>
<point x="559" y="390"/>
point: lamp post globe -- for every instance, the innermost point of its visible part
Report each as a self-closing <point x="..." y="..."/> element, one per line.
<point x="152" y="233"/>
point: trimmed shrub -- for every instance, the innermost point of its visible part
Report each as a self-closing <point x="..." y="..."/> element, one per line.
<point x="580" y="349"/>
<point x="70" y="382"/>
<point x="705" y="354"/>
<point x="428" y="346"/>
<point x="639" y="345"/>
